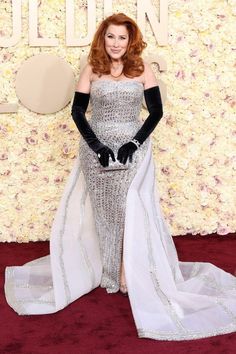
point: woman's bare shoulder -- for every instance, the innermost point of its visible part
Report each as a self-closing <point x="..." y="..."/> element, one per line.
<point x="147" y="68"/>
<point x="149" y="76"/>
<point x="93" y="76"/>
<point x="87" y="70"/>
<point x="85" y="78"/>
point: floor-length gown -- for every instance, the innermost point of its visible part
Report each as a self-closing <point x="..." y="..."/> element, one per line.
<point x="101" y="214"/>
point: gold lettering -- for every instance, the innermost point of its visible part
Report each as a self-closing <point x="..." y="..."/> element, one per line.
<point x="16" y="26"/>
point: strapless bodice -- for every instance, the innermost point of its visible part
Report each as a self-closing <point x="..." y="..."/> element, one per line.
<point x="116" y="101"/>
<point x="116" y="107"/>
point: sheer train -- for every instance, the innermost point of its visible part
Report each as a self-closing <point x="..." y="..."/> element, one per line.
<point x="170" y="299"/>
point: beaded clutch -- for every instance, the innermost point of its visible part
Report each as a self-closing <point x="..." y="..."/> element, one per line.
<point x="115" y="166"/>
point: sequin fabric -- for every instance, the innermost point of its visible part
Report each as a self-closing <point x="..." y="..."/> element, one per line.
<point x="115" y="120"/>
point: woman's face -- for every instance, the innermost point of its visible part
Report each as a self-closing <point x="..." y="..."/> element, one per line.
<point x="116" y="41"/>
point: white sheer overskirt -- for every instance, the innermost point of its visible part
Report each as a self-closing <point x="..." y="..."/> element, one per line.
<point x="170" y="299"/>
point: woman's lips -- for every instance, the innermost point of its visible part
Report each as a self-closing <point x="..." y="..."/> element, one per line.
<point x="115" y="51"/>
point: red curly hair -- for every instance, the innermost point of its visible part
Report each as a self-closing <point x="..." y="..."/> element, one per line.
<point x="132" y="61"/>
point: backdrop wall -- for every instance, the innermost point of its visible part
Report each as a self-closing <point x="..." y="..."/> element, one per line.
<point x="194" y="144"/>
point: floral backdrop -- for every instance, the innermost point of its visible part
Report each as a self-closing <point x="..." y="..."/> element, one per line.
<point x="194" y="144"/>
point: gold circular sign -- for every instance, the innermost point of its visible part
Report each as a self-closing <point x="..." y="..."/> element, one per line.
<point x="45" y="83"/>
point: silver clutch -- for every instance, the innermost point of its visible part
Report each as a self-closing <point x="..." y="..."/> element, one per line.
<point x="115" y="166"/>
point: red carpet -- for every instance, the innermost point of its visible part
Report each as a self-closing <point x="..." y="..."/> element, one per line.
<point x="100" y="323"/>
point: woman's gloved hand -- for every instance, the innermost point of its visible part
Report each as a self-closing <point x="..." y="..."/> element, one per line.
<point x="103" y="155"/>
<point x="126" y="151"/>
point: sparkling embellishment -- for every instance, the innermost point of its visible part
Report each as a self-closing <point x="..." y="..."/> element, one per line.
<point x="183" y="333"/>
<point x="153" y="271"/>
<point x="10" y="284"/>
<point x="116" y="107"/>
<point x="142" y="333"/>
<point x="83" y="249"/>
<point x="62" y="230"/>
<point x="220" y="300"/>
<point x="136" y="142"/>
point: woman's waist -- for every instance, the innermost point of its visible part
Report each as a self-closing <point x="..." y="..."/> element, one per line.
<point x="115" y="124"/>
<point x="115" y="133"/>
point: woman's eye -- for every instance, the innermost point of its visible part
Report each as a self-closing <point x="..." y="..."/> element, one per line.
<point x="109" y="36"/>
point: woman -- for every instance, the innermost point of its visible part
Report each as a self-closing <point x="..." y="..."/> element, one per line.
<point x="110" y="210"/>
<point x="117" y="77"/>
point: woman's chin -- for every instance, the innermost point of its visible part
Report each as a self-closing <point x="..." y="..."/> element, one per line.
<point x="116" y="56"/>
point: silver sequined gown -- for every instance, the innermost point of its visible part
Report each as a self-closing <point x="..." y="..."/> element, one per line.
<point x="115" y="119"/>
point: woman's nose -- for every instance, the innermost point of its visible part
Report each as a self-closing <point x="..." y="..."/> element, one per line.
<point x="116" y="42"/>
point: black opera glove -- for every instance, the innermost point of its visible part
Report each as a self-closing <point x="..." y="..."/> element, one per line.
<point x="79" y="107"/>
<point x="126" y="151"/>
<point x="154" y="105"/>
<point x="104" y="154"/>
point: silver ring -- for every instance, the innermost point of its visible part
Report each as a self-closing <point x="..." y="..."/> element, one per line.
<point x="99" y="155"/>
